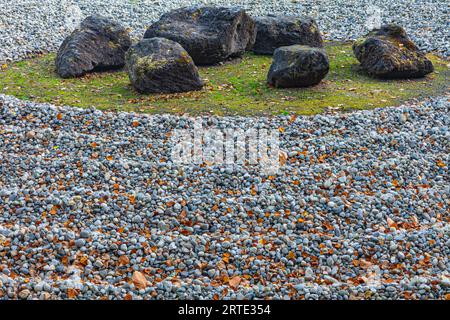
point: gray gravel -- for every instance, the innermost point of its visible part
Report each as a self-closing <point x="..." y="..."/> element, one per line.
<point x="26" y="28"/>
<point x="92" y="206"/>
<point x="359" y="210"/>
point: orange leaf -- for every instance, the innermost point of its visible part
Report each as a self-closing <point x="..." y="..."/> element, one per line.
<point x="391" y="223"/>
<point x="128" y="297"/>
<point x="234" y="282"/>
<point x="328" y="226"/>
<point x="440" y="164"/>
<point x="170" y="204"/>
<point x="283" y="157"/>
<point x="72" y="293"/>
<point x="109" y="158"/>
<point x="139" y="280"/>
<point x="135" y="123"/>
<point x="84" y="260"/>
<point x="59" y="116"/>
<point x="123" y="260"/>
<point x="54" y="210"/>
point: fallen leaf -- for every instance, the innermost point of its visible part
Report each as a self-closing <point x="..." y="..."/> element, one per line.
<point x="128" y="297"/>
<point x="139" y="280"/>
<point x="391" y="223"/>
<point x="283" y="157"/>
<point x="123" y="260"/>
<point x="54" y="210"/>
<point x="440" y="164"/>
<point x="234" y="282"/>
<point x="72" y="293"/>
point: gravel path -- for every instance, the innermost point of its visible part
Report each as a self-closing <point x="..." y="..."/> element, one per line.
<point x="90" y="201"/>
<point x="25" y="28"/>
<point x="360" y="209"/>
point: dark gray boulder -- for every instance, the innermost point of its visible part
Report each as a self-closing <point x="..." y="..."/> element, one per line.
<point x="273" y="32"/>
<point x="159" y="65"/>
<point x="209" y="34"/>
<point x="389" y="53"/>
<point x="298" y="66"/>
<point x="97" y="44"/>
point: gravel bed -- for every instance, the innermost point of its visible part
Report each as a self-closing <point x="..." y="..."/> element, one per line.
<point x="359" y="209"/>
<point x="90" y="201"/>
<point x="26" y="28"/>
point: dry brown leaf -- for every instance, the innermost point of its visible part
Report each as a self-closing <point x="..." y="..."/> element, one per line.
<point x="72" y="293"/>
<point x="123" y="260"/>
<point x="54" y="210"/>
<point x="391" y="223"/>
<point x="139" y="280"/>
<point x="128" y="297"/>
<point x="283" y="157"/>
<point x="234" y="282"/>
<point x="440" y="164"/>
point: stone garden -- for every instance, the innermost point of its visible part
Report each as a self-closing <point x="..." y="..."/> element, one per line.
<point x="93" y="204"/>
<point x="166" y="59"/>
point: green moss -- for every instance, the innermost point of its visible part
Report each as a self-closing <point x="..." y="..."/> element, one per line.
<point x="238" y="87"/>
<point x="144" y="64"/>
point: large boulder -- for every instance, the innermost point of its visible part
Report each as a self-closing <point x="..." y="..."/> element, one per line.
<point x="273" y="32"/>
<point x="97" y="44"/>
<point x="298" y="66"/>
<point x="209" y="34"/>
<point x="159" y="65"/>
<point x="389" y="53"/>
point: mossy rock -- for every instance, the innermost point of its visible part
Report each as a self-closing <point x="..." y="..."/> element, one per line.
<point x="161" y="65"/>
<point x="388" y="53"/>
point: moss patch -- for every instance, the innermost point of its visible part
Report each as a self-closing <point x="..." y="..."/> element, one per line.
<point x="237" y="87"/>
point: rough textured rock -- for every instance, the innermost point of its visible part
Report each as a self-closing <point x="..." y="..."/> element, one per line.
<point x="298" y="66"/>
<point x="97" y="44"/>
<point x="274" y="31"/>
<point x="389" y="53"/>
<point x="209" y="34"/>
<point x="159" y="65"/>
